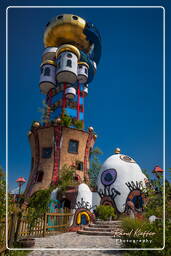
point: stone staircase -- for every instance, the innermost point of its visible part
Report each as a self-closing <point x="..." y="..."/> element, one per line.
<point x="101" y="228"/>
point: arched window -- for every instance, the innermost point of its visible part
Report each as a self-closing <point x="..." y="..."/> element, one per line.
<point x="47" y="72"/>
<point x="86" y="71"/>
<point x="69" y="63"/>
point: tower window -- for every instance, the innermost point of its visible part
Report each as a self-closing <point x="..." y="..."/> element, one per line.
<point x="69" y="63"/>
<point x="86" y="71"/>
<point x="39" y="176"/>
<point x="79" y="166"/>
<point x="47" y="72"/>
<point x="73" y="146"/>
<point x="46" y="152"/>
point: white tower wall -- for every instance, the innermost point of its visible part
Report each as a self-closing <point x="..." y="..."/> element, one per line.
<point x="67" y="68"/>
<point x="47" y="78"/>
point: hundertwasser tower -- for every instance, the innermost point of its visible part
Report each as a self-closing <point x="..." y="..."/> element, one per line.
<point x="69" y="61"/>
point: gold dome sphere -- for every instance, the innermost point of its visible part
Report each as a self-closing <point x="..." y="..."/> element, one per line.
<point x="90" y="129"/>
<point x="117" y="151"/>
<point x="58" y="120"/>
<point x="36" y="124"/>
<point x="95" y="136"/>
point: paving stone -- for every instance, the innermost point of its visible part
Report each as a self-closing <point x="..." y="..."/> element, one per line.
<point x="74" y="240"/>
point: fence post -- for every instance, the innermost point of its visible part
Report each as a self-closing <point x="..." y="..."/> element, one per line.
<point x="12" y="231"/>
<point x="44" y="225"/>
<point x="18" y="226"/>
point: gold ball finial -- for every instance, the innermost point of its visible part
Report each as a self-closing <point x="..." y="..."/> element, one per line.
<point x="36" y="124"/>
<point x="58" y="120"/>
<point x="90" y="129"/>
<point x="95" y="136"/>
<point x="117" y="151"/>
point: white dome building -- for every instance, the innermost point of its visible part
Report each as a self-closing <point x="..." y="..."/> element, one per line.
<point x="121" y="184"/>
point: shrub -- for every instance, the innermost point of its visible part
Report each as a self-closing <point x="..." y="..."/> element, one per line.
<point x="78" y="124"/>
<point x="137" y="232"/>
<point x="66" y="120"/>
<point x="66" y="178"/>
<point x="154" y="206"/>
<point x="105" y="212"/>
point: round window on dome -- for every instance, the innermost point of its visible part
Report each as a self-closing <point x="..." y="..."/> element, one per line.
<point x="75" y="17"/>
<point x="127" y="159"/>
<point x="108" y="177"/>
<point x="60" y="17"/>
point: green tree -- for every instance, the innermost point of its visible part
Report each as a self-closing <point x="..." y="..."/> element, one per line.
<point x="95" y="166"/>
<point x="37" y="206"/>
<point x="66" y="178"/>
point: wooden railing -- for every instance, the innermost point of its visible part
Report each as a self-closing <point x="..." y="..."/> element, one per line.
<point x="48" y="224"/>
<point x="18" y="226"/>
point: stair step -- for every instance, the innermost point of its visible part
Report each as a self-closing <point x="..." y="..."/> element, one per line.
<point x="114" y="222"/>
<point x="92" y="233"/>
<point x="98" y="229"/>
<point x="104" y="226"/>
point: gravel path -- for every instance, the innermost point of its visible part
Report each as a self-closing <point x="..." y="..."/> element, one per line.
<point x="75" y="253"/>
<point x="74" y="240"/>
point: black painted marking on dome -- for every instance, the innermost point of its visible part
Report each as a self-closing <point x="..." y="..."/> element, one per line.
<point x="127" y="159"/>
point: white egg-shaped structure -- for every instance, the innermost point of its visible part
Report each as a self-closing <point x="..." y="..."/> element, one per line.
<point x="49" y="54"/>
<point x="67" y="57"/>
<point x="84" y="196"/>
<point x="70" y="92"/>
<point x="47" y="76"/>
<point x="121" y="184"/>
<point x="82" y="72"/>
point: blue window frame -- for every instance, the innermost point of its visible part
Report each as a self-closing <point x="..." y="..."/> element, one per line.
<point x="73" y="146"/>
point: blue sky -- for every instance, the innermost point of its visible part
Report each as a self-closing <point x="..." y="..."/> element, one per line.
<point x="125" y="99"/>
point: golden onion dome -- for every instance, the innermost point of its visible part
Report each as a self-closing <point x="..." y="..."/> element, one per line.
<point x="83" y="63"/>
<point x="51" y="62"/>
<point x="66" y="28"/>
<point x="68" y="47"/>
